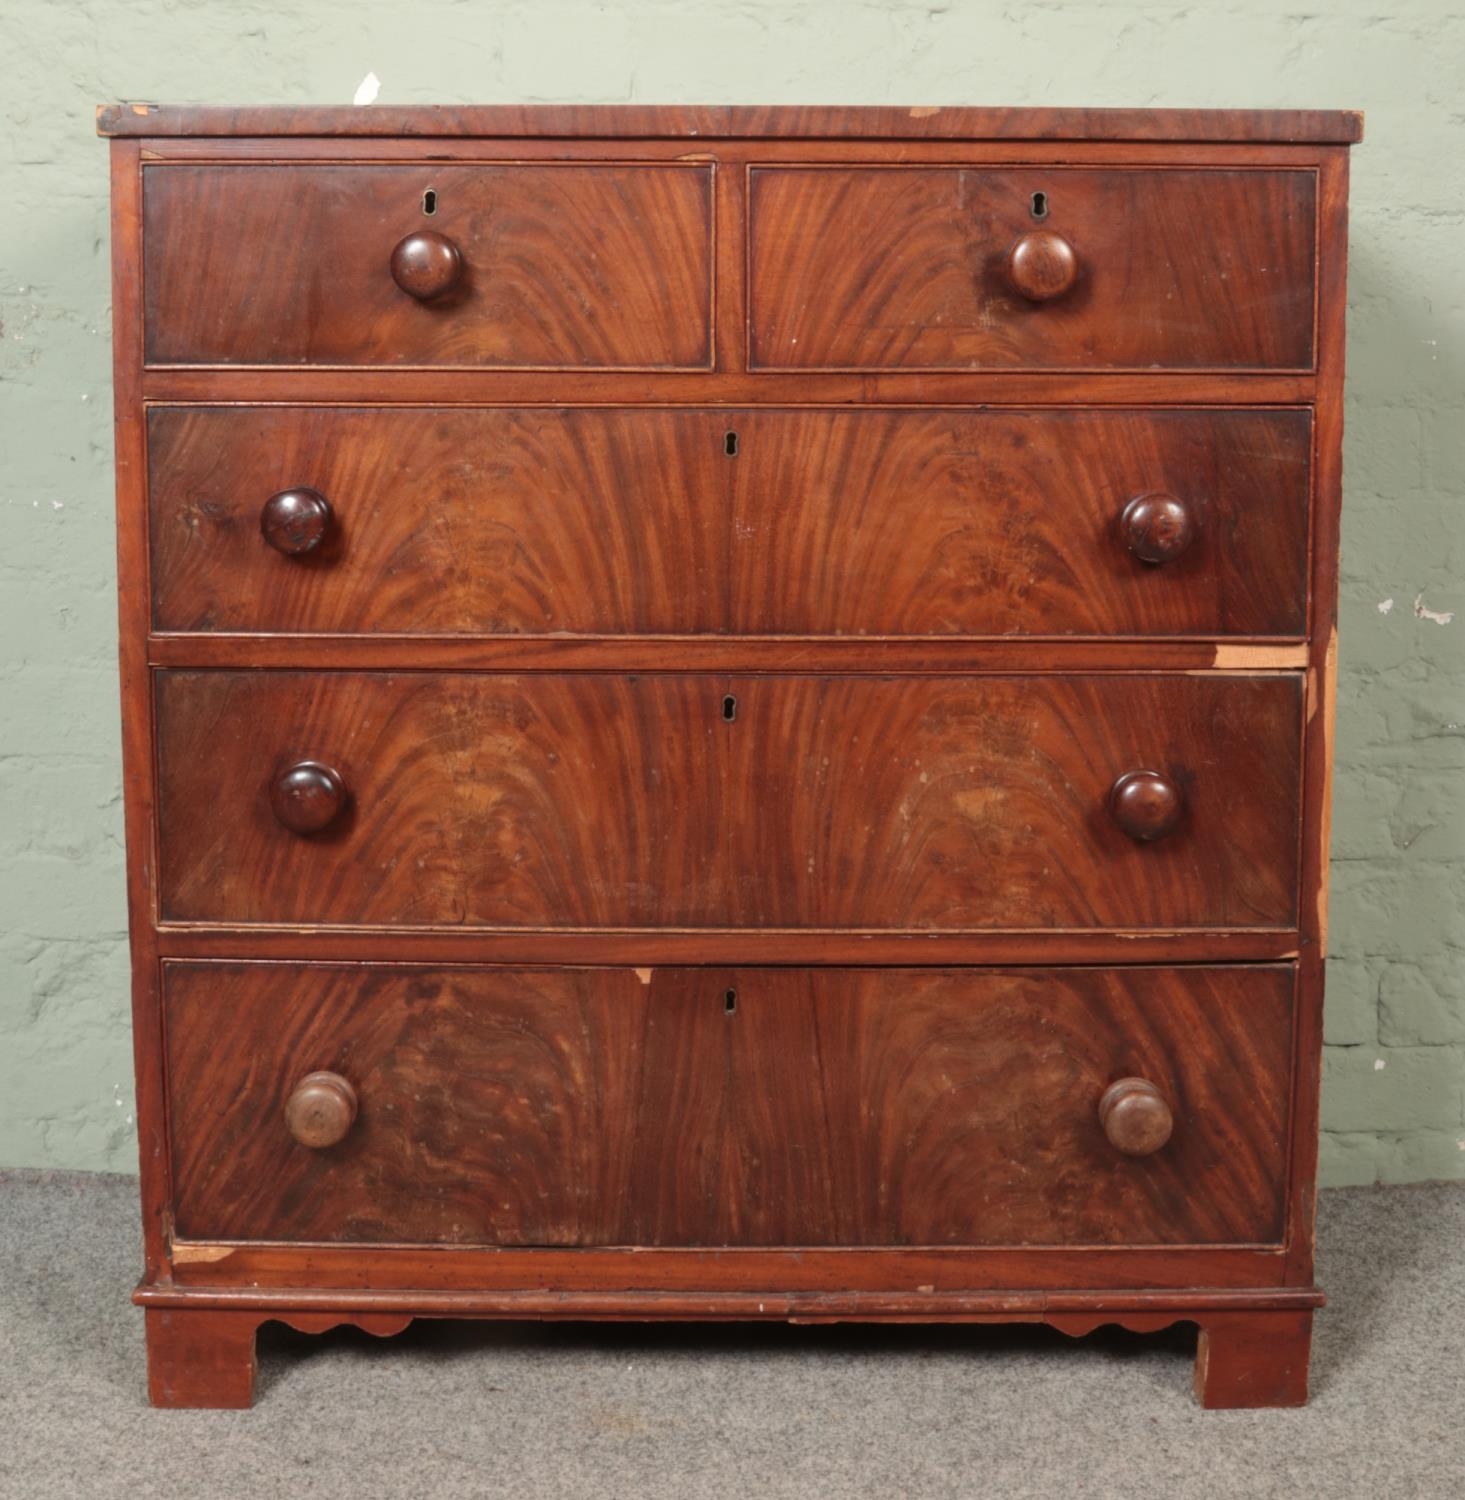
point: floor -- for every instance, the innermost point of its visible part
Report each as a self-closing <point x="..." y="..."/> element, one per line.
<point x="569" y="1411"/>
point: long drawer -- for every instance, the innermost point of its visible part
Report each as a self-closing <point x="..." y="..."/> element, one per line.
<point x="727" y="1107"/>
<point x="1036" y="267"/>
<point x="1143" y="800"/>
<point x="508" y="266"/>
<point x="621" y="522"/>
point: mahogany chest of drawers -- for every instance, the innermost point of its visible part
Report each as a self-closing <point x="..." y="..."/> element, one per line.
<point x="728" y="715"/>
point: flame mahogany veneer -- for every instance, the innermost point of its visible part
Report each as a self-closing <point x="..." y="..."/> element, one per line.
<point x="728" y="714"/>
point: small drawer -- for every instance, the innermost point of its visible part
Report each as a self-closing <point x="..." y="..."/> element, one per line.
<point x="1085" y="802"/>
<point x="680" y="1107"/>
<point x="812" y="522"/>
<point x="539" y="266"/>
<point x="1045" y="268"/>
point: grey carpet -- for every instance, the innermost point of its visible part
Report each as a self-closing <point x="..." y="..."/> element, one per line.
<point x="566" y="1411"/>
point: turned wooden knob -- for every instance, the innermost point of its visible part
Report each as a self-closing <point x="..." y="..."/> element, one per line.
<point x="1145" y="804"/>
<point x="307" y="796"/>
<point x="1135" y="1117"/>
<point x="1042" y="266"/>
<point x="296" y="521"/>
<point x="320" y="1110"/>
<point x="1157" y="527"/>
<point x="426" y="265"/>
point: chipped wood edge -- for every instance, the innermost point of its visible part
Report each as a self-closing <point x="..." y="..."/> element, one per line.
<point x="1260" y="658"/>
<point x="200" y="1254"/>
<point x="1322" y="697"/>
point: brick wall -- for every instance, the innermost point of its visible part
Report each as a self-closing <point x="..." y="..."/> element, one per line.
<point x="1394" y="1103"/>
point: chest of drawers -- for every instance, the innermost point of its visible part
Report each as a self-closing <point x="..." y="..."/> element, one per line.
<point x="727" y="714"/>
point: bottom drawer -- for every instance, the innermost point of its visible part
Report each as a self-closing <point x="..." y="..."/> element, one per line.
<point x="685" y="1107"/>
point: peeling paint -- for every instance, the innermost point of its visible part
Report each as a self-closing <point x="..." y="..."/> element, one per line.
<point x="1439" y="616"/>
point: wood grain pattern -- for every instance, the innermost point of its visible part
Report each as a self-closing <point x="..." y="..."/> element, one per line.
<point x="1006" y="523"/>
<point x="922" y="490"/>
<point x="831" y="1106"/>
<point x="735" y="121"/>
<point x="600" y="801"/>
<point x="983" y="802"/>
<point x="904" y="268"/>
<point x="564" y="266"/>
<point x="445" y="520"/>
<point x="629" y="522"/>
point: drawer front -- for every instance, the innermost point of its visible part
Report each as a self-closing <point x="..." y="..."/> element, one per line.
<point x="594" y="801"/>
<point x="1012" y="523"/>
<point x="726" y="1106"/>
<point x="560" y="267"/>
<point x="439" y="520"/>
<point x="595" y="522"/>
<point x="938" y="268"/>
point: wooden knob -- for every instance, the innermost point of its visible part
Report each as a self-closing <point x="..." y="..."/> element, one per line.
<point x="307" y="797"/>
<point x="296" y="521"/>
<point x="1145" y="804"/>
<point x="426" y="265"/>
<point x="320" y="1110"/>
<point x="1157" y="527"/>
<point x="1135" y="1117"/>
<point x="1042" y="266"/>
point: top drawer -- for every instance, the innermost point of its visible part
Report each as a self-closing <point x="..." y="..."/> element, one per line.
<point x="546" y="266"/>
<point x="928" y="268"/>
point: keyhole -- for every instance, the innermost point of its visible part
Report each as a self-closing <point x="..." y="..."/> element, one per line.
<point x="730" y="445"/>
<point x="729" y="708"/>
<point x="1040" y="205"/>
<point x="730" y="1003"/>
<point x="429" y="202"/>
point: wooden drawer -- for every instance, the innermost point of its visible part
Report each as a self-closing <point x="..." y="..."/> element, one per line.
<point x="620" y="522"/>
<point x="597" y="801"/>
<point x="1021" y="523"/>
<point x="440" y="520"/>
<point x="886" y="268"/>
<point x="726" y="1106"/>
<point x="559" y="266"/>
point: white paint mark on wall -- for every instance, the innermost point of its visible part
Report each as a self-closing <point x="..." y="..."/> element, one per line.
<point x="1385" y="605"/>
<point x="1439" y="616"/>
<point x="367" y="90"/>
<point x="1379" y="1065"/>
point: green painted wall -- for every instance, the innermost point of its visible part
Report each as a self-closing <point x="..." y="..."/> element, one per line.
<point x="1394" y="1105"/>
